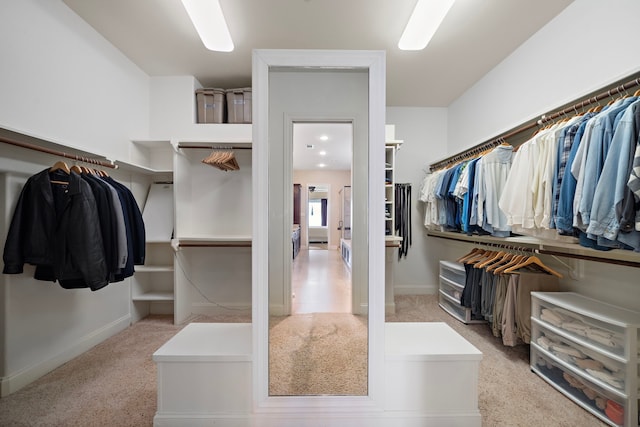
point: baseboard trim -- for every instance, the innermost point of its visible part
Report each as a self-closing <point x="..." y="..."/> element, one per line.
<point x="371" y="419"/>
<point x="415" y="289"/>
<point x="209" y="309"/>
<point x="16" y="381"/>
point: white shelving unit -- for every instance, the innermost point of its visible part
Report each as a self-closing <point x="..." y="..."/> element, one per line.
<point x="152" y="283"/>
<point x="152" y="289"/>
<point x="392" y="145"/>
<point x="588" y="350"/>
<point x="451" y="284"/>
<point x="213" y="235"/>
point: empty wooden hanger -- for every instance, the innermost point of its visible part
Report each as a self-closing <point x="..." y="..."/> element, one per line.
<point x="223" y="159"/>
<point x="535" y="262"/>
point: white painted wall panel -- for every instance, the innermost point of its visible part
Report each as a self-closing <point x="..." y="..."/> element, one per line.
<point x="424" y="132"/>
<point x="62" y="81"/>
<point x="591" y="43"/>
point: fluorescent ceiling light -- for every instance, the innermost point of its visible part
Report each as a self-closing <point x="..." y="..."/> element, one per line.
<point x="210" y="24"/>
<point x="423" y="23"/>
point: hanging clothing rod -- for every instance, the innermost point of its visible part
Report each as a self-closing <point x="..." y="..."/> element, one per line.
<point x="538" y="250"/>
<point x="57" y="153"/>
<point x="214" y="146"/>
<point x="590" y="100"/>
<point x="214" y="245"/>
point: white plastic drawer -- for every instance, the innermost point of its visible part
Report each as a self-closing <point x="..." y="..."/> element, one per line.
<point x="450" y="288"/>
<point x="599" y="369"/>
<point x="453" y="271"/>
<point x="605" y="337"/>
<point x="453" y="307"/>
<point x="602" y="403"/>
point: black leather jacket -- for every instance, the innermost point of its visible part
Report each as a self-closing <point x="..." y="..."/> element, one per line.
<point x="56" y="227"/>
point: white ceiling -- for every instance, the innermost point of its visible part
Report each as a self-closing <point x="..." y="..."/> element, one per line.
<point x="475" y="36"/>
<point x="308" y="146"/>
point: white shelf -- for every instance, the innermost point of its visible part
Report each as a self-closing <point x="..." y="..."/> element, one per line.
<point x="154" y="268"/>
<point x="212" y="241"/>
<point x="154" y="296"/>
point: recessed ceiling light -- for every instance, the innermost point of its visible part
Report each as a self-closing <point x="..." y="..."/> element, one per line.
<point x="324" y="138"/>
<point x="321" y="165"/>
<point x="423" y="23"/>
<point x="210" y="24"/>
<point x="323" y="153"/>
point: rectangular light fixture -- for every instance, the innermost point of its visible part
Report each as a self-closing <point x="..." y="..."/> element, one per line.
<point x="423" y="23"/>
<point x="210" y="24"/>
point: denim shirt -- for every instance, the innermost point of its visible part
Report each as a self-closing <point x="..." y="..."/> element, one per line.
<point x="564" y="212"/>
<point x="612" y="185"/>
<point x="601" y="137"/>
<point x="466" y="201"/>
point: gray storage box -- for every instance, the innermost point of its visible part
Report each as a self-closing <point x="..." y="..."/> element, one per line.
<point x="211" y="105"/>
<point x="239" y="105"/>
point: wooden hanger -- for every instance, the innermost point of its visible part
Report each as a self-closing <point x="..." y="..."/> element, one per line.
<point x="485" y="256"/>
<point x="502" y="261"/>
<point x="515" y="260"/>
<point x="497" y="261"/>
<point x="478" y="256"/>
<point x="533" y="261"/>
<point x="474" y="251"/>
<point x="222" y="159"/>
<point x="498" y="255"/>
<point x="60" y="165"/>
<point x="77" y="169"/>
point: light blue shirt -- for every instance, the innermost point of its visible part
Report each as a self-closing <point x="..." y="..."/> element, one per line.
<point x="609" y="192"/>
<point x="600" y="140"/>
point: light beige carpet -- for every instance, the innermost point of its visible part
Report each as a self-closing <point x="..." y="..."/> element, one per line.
<point x="316" y="354"/>
<point x="114" y="384"/>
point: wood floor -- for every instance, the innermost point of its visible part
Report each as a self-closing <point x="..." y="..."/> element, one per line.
<point x="321" y="283"/>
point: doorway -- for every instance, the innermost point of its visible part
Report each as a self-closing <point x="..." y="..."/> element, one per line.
<point x="322" y="156"/>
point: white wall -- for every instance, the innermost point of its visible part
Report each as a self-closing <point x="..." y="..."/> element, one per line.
<point x="424" y="132"/>
<point x="590" y="44"/>
<point x="63" y="82"/>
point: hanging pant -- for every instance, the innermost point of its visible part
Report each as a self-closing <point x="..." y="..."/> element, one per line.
<point x="530" y="282"/>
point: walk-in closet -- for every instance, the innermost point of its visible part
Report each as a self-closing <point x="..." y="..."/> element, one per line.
<point x="484" y="237"/>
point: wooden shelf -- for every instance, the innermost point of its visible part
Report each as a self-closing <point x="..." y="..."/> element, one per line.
<point x="549" y="247"/>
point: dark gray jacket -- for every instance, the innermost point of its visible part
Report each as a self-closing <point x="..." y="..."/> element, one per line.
<point x="56" y="228"/>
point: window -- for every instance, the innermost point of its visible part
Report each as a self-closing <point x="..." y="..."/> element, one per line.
<point x="317" y="212"/>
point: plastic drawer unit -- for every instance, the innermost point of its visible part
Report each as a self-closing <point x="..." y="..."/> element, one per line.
<point x="588" y="350"/>
<point x="451" y="284"/>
